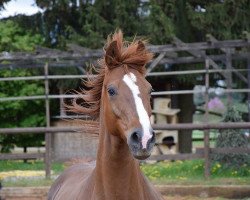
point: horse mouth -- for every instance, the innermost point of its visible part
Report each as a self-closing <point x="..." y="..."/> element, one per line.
<point x="141" y="154"/>
<point x="142" y="157"/>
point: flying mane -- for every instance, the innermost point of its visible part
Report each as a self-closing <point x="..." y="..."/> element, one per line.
<point x="129" y="55"/>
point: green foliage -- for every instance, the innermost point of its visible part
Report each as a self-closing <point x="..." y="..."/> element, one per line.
<point x="62" y="83"/>
<point x="161" y="27"/>
<point x="97" y="21"/>
<point x="93" y="27"/>
<point x="2" y="3"/>
<point x="89" y="22"/>
<point x="14" y="38"/>
<point x="20" y="113"/>
<point x="224" y="20"/>
<point x="188" y="79"/>
<point x="232" y="138"/>
<point x="119" y="14"/>
<point x="126" y="16"/>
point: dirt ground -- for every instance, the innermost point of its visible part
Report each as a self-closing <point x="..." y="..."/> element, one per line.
<point x="194" y="198"/>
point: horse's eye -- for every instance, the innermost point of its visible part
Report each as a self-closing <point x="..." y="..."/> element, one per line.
<point x="112" y="91"/>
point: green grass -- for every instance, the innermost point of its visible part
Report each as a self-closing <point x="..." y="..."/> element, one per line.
<point x="24" y="182"/>
<point x="178" y="172"/>
<point x="198" y="134"/>
<point x="30" y="165"/>
<point x="200" y="118"/>
<point x="192" y="172"/>
<point x="7" y="166"/>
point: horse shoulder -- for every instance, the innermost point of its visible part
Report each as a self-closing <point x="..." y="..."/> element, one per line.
<point x="71" y="182"/>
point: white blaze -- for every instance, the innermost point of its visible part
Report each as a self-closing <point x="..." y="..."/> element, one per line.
<point x="130" y="80"/>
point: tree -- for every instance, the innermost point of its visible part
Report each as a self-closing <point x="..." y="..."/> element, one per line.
<point x="14" y="38"/>
<point x="2" y="3"/>
<point x="223" y="19"/>
<point x="189" y="20"/>
<point x="57" y="17"/>
<point x="160" y="25"/>
<point x="19" y="113"/>
<point x="94" y="28"/>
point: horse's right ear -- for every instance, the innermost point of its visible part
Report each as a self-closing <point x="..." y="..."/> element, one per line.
<point x="111" y="54"/>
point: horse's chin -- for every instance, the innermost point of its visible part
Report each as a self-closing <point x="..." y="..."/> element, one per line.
<point x="141" y="157"/>
<point x="140" y="154"/>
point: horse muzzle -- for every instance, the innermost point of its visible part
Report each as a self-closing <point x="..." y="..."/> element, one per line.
<point x="140" y="143"/>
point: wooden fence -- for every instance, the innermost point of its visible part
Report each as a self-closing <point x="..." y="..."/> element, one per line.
<point x="198" y="155"/>
<point x="233" y="49"/>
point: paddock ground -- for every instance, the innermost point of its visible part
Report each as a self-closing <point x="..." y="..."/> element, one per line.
<point x="169" y="192"/>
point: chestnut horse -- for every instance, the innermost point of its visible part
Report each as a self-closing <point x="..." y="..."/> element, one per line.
<point x="120" y="97"/>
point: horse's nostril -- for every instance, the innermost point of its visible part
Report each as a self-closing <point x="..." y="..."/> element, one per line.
<point x="135" y="137"/>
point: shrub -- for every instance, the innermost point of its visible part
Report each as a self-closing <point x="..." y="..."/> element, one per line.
<point x="232" y="138"/>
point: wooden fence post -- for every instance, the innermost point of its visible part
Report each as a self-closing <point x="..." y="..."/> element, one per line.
<point x="229" y="74"/>
<point x="248" y="84"/>
<point x="206" y="132"/>
<point x="47" y="135"/>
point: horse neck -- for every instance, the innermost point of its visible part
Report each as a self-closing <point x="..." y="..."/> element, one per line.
<point x="116" y="170"/>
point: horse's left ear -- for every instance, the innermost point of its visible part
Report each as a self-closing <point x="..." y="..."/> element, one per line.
<point x="111" y="54"/>
<point x="141" y="46"/>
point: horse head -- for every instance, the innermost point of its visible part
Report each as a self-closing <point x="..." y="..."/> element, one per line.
<point x="126" y="95"/>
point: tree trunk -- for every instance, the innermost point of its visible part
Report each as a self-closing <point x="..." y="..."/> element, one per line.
<point x="186" y="105"/>
<point x="183" y="30"/>
<point x="25" y="151"/>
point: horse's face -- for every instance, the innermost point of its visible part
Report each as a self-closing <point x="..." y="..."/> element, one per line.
<point x="127" y="110"/>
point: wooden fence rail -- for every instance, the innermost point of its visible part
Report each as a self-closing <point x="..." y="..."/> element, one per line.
<point x="183" y="126"/>
<point x="160" y="93"/>
<point x="171" y="73"/>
